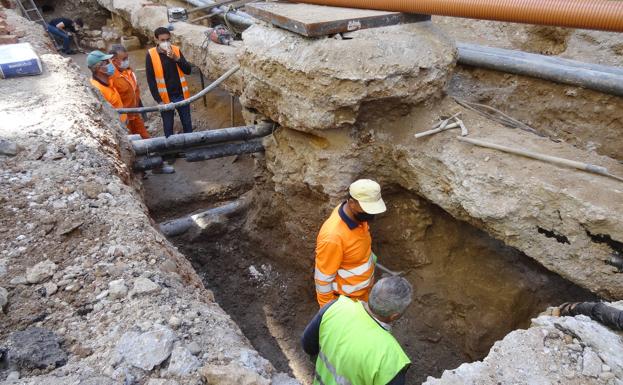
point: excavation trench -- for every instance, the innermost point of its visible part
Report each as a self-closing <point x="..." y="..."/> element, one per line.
<point x="471" y="290"/>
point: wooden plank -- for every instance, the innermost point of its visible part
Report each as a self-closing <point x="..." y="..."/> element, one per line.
<point x="319" y="20"/>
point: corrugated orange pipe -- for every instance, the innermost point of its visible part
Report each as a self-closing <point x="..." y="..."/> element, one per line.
<point x="606" y="15"/>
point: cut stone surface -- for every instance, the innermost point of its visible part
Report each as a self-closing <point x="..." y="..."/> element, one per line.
<point x="146" y="350"/>
<point x="318" y="84"/>
<point x="35" y="348"/>
<point x="41" y="271"/>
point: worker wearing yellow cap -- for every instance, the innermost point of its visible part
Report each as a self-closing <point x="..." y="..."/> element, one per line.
<point x="344" y="258"/>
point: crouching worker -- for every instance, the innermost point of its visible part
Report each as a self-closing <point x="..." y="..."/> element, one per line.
<point x="124" y="81"/>
<point x="102" y="70"/>
<point x="352" y="339"/>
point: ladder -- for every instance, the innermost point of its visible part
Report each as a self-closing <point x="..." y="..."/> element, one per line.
<point x="31" y="12"/>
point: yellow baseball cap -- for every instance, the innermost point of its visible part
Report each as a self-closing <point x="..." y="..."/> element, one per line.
<point x="368" y="193"/>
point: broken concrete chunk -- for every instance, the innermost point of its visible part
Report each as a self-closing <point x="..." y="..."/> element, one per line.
<point x="194" y="348"/>
<point x="591" y="363"/>
<point x="4" y="297"/>
<point x="146" y="350"/>
<point x="161" y="381"/>
<point x="117" y="289"/>
<point x="8" y="148"/>
<point x="41" y="271"/>
<point x="144" y="285"/>
<point x="50" y="288"/>
<point x="182" y="362"/>
<point x="35" y="348"/>
<point x="231" y="374"/>
<point x="283" y="379"/>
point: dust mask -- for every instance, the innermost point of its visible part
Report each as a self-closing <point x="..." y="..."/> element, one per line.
<point x="125" y="64"/>
<point x="110" y="69"/>
<point x="165" y="45"/>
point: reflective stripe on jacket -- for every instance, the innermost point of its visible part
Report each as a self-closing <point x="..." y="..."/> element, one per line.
<point x="159" y="75"/>
<point x="355" y="349"/>
<point x="344" y="260"/>
<point x="111" y="95"/>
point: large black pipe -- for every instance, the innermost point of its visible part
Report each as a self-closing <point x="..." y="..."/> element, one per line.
<point x="224" y="150"/>
<point x="202" y="153"/>
<point x="592" y="76"/>
<point x="181" y="142"/>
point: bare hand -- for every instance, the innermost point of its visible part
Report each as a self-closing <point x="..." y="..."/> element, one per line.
<point x="173" y="56"/>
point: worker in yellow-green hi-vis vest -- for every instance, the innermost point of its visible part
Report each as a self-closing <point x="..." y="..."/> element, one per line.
<point x="352" y="339"/>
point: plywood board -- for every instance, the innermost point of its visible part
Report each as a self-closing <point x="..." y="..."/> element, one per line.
<point x="319" y="20"/>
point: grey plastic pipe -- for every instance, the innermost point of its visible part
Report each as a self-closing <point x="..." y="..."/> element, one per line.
<point x="171" y="106"/>
<point x="592" y="76"/>
<point x="180" y="142"/>
<point x="237" y="17"/>
<point x="202" y="220"/>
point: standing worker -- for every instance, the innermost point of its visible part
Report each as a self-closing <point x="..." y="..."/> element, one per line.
<point x="64" y="28"/>
<point x="124" y="81"/>
<point x="102" y="70"/>
<point x="166" y="66"/>
<point x="353" y="340"/>
<point x="344" y="258"/>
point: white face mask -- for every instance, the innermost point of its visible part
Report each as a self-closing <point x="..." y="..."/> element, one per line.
<point x="165" y="45"/>
<point x="125" y="64"/>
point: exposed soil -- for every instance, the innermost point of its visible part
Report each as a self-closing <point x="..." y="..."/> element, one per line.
<point x="471" y="290"/>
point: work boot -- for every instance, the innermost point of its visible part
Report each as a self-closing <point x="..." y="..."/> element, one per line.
<point x="165" y="169"/>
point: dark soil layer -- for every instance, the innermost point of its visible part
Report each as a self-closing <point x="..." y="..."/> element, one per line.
<point x="471" y="290"/>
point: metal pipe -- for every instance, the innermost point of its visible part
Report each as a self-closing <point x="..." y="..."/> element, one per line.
<point x="604" y="15"/>
<point x="179" y="142"/>
<point x="223" y="150"/>
<point x="171" y="106"/>
<point x="236" y="17"/>
<point x="203" y="219"/>
<point x="548" y="59"/>
<point x="596" y="77"/>
<point x="542" y="157"/>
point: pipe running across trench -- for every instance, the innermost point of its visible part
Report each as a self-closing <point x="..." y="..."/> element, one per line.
<point x="606" y="15"/>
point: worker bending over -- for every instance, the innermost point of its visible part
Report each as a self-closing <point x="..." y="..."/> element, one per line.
<point x="353" y="340"/>
<point x="166" y="68"/>
<point x="102" y="70"/>
<point x="65" y="28"/>
<point x="124" y="81"/>
<point x="344" y="258"/>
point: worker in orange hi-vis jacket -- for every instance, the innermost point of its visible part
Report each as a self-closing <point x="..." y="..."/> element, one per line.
<point x="344" y="258"/>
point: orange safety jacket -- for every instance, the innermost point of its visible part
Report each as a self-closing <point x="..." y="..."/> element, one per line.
<point x="125" y="83"/>
<point x="159" y="75"/>
<point x="344" y="259"/>
<point x="112" y="96"/>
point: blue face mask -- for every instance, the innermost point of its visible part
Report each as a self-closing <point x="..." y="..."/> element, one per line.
<point x="110" y="69"/>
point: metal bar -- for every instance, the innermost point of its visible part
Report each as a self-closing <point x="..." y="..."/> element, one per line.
<point x="203" y="85"/>
<point x="231" y="109"/>
<point x="179" y="142"/>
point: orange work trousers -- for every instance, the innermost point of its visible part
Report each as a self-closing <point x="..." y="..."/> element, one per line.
<point x="136" y="125"/>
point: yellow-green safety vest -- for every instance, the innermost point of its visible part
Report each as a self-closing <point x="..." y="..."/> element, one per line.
<point x="355" y="349"/>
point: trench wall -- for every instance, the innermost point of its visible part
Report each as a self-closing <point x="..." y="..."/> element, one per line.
<point x="80" y="256"/>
